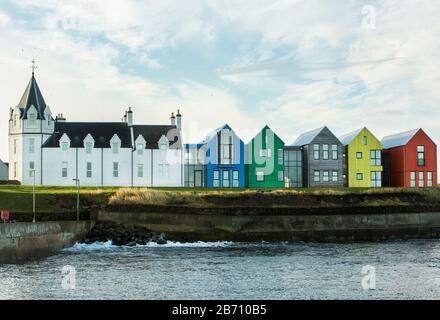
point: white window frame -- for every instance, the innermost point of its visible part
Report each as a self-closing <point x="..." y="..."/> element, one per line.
<point x="89" y="147"/>
<point x="31" y="145"/>
<point x="280" y="175"/>
<point x="325" y="176"/>
<point x="429" y="179"/>
<point x="335" y="175"/>
<point x="64" y="169"/>
<point x="422" y="180"/>
<point x="316" y="176"/>
<point x="259" y="176"/>
<point x="115" y="169"/>
<point x="412" y="179"/>
<point x="140" y="170"/>
<point x="89" y="168"/>
<point x="280" y="157"/>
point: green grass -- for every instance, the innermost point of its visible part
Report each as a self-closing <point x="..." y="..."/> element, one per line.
<point x="50" y="199"/>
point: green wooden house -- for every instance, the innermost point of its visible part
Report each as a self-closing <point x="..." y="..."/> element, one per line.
<point x="264" y="158"/>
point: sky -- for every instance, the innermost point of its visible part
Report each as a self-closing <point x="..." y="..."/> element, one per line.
<point x="294" y="65"/>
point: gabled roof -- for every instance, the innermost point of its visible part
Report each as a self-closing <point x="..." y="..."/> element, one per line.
<point x="152" y="134"/>
<point x="348" y="138"/>
<point x="265" y="128"/>
<point x="399" y="139"/>
<point x="101" y="132"/>
<point x="213" y="133"/>
<point x="307" y="137"/>
<point x="32" y="96"/>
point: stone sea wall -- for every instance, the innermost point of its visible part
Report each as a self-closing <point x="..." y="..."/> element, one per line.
<point x="280" y="224"/>
<point x="25" y="241"/>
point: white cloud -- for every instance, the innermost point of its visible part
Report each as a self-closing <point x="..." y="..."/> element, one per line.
<point x="328" y="69"/>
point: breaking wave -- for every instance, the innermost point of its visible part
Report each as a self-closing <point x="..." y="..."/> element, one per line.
<point x="170" y="244"/>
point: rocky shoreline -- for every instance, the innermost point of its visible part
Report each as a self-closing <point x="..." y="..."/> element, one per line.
<point x="123" y="235"/>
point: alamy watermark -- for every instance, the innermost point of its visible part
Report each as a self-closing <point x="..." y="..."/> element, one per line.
<point x="368" y="279"/>
<point x="368" y="17"/>
<point x="68" y="281"/>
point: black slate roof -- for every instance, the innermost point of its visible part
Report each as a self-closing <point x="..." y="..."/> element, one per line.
<point x="102" y="132"/>
<point x="152" y="134"/>
<point x="32" y="96"/>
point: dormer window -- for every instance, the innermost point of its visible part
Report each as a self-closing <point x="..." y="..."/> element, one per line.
<point x="48" y="119"/>
<point x="64" y="146"/>
<point x="140" y="149"/>
<point x="115" y="147"/>
<point x="163" y="143"/>
<point x="89" y="147"/>
<point x="115" y="144"/>
<point x="32" y="119"/>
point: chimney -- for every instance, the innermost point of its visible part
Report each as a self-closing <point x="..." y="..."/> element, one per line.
<point x="178" y="120"/>
<point x="129" y="117"/>
<point x="173" y="119"/>
<point x="60" y="118"/>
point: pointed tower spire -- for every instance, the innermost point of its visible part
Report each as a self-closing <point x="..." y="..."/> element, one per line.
<point x="32" y="97"/>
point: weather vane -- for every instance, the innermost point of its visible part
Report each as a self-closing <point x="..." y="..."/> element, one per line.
<point x="33" y="66"/>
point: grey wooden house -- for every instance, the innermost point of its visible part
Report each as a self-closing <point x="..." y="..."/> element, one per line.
<point x="322" y="157"/>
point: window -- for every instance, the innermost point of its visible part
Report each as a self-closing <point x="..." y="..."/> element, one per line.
<point x="64" y="146"/>
<point x="225" y="179"/>
<point x="225" y="147"/>
<point x="31" y="145"/>
<point x="115" y="147"/>
<point x="376" y="179"/>
<point x="235" y="180"/>
<point x="334" y="152"/>
<point x="429" y="179"/>
<point x="140" y="149"/>
<point x="280" y="156"/>
<point x="15" y="146"/>
<point x="216" y="179"/>
<point x="316" y="176"/>
<point x="325" y="151"/>
<point x="89" y="147"/>
<point x="48" y="119"/>
<point x="263" y="153"/>
<point x="421" y="156"/>
<point x="32" y="119"/>
<point x="325" y="176"/>
<point x="293" y="169"/>
<point x="421" y="179"/>
<point x="375" y="156"/>
<point x="163" y="145"/>
<point x="365" y="140"/>
<point x="115" y="169"/>
<point x="88" y="169"/>
<point x="64" y="169"/>
<point x="140" y="170"/>
<point x="359" y="176"/>
<point x="15" y="169"/>
<point x="164" y="170"/>
<point x="280" y="175"/>
<point x="358" y="155"/>
<point x="316" y="151"/>
<point x="412" y="178"/>
<point x="15" y="120"/>
<point x="260" y="176"/>
<point x="334" y="176"/>
<point x="31" y="169"/>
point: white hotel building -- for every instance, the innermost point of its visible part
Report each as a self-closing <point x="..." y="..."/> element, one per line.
<point x="59" y="152"/>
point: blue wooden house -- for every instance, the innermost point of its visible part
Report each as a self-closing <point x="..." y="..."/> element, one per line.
<point x="224" y="159"/>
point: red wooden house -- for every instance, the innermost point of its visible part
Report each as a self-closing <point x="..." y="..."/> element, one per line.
<point x="410" y="160"/>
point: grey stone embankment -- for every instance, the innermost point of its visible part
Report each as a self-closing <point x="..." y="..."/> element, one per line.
<point x="280" y="224"/>
<point x="25" y="241"/>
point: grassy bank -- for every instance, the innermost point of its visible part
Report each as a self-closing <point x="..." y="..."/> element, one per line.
<point x="60" y="199"/>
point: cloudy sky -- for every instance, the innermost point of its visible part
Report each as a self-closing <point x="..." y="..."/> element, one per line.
<point x="292" y="64"/>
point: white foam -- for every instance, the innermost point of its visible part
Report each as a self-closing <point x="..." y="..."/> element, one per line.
<point x="170" y="244"/>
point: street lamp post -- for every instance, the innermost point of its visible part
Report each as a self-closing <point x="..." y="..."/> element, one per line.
<point x="77" y="198"/>
<point x="33" y="196"/>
